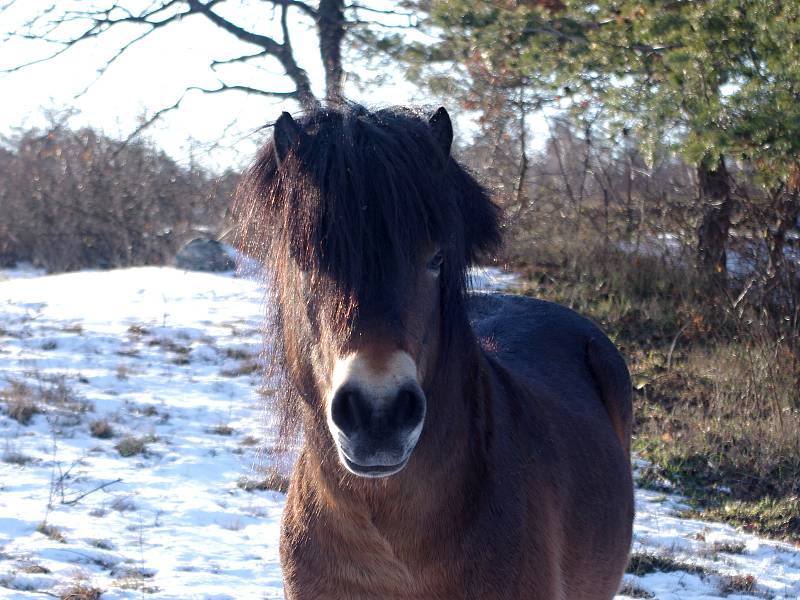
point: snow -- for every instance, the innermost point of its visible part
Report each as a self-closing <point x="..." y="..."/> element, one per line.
<point x="744" y="257"/>
<point x="171" y="358"/>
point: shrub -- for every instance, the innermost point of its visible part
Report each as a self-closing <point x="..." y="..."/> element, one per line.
<point x="101" y="429"/>
<point x="77" y="199"/>
<point x="131" y="446"/>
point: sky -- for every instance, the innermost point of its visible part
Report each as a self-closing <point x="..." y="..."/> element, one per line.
<point x="215" y="130"/>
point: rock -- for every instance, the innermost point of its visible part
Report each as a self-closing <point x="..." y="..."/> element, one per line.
<point x="204" y="254"/>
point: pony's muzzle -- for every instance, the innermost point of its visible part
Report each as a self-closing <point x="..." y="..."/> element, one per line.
<point x="375" y="434"/>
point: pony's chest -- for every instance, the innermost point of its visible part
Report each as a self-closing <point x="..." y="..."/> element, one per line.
<point x="352" y="560"/>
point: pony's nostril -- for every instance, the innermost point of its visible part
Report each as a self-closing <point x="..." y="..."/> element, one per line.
<point x="408" y="409"/>
<point x="349" y="412"/>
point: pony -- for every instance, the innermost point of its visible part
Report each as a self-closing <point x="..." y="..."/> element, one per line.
<point x="454" y="445"/>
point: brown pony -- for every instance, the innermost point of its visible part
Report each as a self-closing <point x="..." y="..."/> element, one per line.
<point x="454" y="445"/>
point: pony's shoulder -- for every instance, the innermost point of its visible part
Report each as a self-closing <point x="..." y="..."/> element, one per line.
<point x="491" y="309"/>
<point x="541" y="340"/>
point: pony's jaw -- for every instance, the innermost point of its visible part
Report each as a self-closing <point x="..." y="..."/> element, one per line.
<point x="375" y="412"/>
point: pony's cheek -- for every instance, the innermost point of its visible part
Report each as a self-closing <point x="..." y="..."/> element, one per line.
<point x="424" y="325"/>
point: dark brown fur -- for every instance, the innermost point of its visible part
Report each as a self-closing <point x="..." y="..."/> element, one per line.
<point x="520" y="485"/>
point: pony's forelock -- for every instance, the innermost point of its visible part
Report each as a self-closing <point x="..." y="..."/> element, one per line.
<point x="352" y="206"/>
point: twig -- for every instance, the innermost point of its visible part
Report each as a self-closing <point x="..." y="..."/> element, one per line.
<point x="80" y="497"/>
<point x="672" y="346"/>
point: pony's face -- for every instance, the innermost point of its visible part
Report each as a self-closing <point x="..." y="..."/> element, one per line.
<point x="373" y="376"/>
<point x="372" y="302"/>
<point x="370" y="226"/>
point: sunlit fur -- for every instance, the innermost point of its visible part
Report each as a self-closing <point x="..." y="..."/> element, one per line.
<point x="380" y="380"/>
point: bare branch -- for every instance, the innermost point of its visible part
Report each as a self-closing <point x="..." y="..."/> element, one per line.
<point x="223" y="87"/>
<point x="247" y="89"/>
<point x="37" y="61"/>
<point x="283" y="52"/>
<point x="285" y="25"/>
<point x="101" y="22"/>
<point x="156" y="15"/>
<point x="354" y="6"/>
<point x="357" y="22"/>
<point x="148" y="122"/>
<point x="7" y="5"/>
<point x="78" y="498"/>
<point x="266" y="42"/>
<point x="302" y="6"/>
<point x="102" y="70"/>
<point x="238" y="59"/>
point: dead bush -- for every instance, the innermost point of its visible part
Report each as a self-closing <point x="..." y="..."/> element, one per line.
<point x="101" y="429"/>
<point x="80" y="199"/>
<point x="19" y="403"/>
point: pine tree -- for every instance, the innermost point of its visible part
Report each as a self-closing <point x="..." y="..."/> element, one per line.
<point x="718" y="80"/>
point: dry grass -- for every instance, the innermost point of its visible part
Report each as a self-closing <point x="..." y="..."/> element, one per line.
<point x="222" y="429"/>
<point x="33" y="568"/>
<point x="728" y="548"/>
<point x="170" y="345"/>
<point x="270" y="480"/>
<point x="128" y="352"/>
<point x="717" y="407"/>
<point x="138" y="330"/>
<point x="245" y="368"/>
<point x="737" y="584"/>
<point x="123" y="504"/>
<point x="634" y="591"/>
<point x="131" y="446"/>
<point x="644" y="563"/>
<point x="238" y="354"/>
<point x="101" y="429"/>
<point x="51" y="531"/>
<point x="727" y="421"/>
<point x="13" y="457"/>
<point x="80" y="589"/>
<point x="22" y="401"/>
<point x="19" y="402"/>
<point x="129" y="578"/>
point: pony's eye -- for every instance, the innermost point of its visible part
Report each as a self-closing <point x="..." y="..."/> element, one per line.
<point x="435" y="262"/>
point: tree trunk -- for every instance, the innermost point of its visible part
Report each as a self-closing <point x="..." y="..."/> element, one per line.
<point x="521" y="197"/>
<point x="712" y="234"/>
<point x="331" y="25"/>
<point x="787" y="211"/>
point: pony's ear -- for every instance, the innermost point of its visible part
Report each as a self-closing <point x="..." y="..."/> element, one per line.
<point x="442" y="130"/>
<point x="286" y="137"/>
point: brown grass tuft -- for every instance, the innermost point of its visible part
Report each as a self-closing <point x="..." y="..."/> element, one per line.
<point x="272" y="480"/>
<point x="51" y="531"/>
<point x="19" y="403"/>
<point x="131" y="446"/>
<point x="80" y="590"/>
<point x="101" y="429"/>
<point x="222" y="429"/>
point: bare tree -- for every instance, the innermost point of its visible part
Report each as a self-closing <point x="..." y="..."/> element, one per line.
<point x="66" y="25"/>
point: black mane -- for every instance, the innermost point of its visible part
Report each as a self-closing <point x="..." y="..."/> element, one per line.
<point x="362" y="194"/>
<point x="354" y="203"/>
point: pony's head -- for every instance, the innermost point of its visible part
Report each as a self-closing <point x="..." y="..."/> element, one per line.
<point x="367" y="226"/>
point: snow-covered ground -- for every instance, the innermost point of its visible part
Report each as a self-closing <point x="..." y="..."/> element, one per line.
<point x="169" y="361"/>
